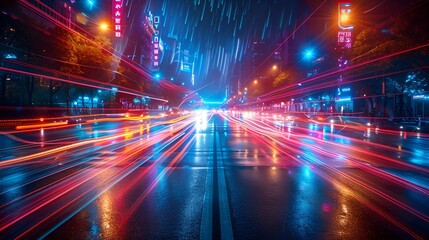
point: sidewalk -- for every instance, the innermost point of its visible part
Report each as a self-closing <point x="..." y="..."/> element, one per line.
<point x="22" y="124"/>
<point x="31" y="123"/>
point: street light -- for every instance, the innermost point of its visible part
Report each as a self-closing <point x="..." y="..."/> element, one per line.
<point x="90" y="4"/>
<point x="274" y="67"/>
<point x="255" y="81"/>
<point x="344" y="16"/>
<point x="104" y="27"/>
<point x="309" y="54"/>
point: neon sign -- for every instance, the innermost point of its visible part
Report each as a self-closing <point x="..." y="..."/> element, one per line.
<point x="156" y="42"/>
<point x="344" y="38"/>
<point x="117" y="17"/>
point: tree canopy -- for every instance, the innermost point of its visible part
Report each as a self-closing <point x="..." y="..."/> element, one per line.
<point x="394" y="44"/>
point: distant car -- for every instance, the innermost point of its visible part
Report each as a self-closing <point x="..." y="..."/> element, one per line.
<point x="297" y="118"/>
<point x="173" y="111"/>
<point x="394" y="126"/>
<point x="323" y="119"/>
<point x="335" y="120"/>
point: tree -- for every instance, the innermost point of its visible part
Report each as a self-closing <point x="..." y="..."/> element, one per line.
<point x="413" y="84"/>
<point x="79" y="55"/>
<point x="406" y="32"/>
<point x="284" y="78"/>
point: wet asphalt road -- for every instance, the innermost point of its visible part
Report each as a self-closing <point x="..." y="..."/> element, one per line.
<point x="213" y="177"/>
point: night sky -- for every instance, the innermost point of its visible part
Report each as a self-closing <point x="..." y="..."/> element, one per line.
<point x="221" y="32"/>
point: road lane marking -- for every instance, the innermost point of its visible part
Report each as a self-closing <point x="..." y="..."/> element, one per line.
<point x="225" y="215"/>
<point x="206" y="231"/>
<point x="216" y="216"/>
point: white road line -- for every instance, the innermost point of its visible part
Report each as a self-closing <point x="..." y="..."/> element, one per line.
<point x="206" y="228"/>
<point x="225" y="215"/>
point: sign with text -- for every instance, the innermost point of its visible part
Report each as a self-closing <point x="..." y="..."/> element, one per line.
<point x="344" y="39"/>
<point x="117" y="17"/>
<point x="185" y="65"/>
<point x="156" y="42"/>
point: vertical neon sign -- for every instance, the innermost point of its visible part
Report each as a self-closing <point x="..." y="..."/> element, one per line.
<point x="117" y="17"/>
<point x="156" y="42"/>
